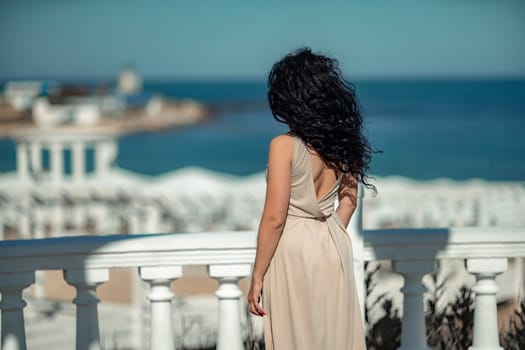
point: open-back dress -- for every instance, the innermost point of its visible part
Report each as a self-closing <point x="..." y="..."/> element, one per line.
<point x="309" y="290"/>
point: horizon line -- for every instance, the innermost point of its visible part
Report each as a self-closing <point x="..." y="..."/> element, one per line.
<point x="219" y="80"/>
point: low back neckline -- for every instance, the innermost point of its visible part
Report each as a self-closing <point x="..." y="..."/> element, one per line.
<point x="311" y="176"/>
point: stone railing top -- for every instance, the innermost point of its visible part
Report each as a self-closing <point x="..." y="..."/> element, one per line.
<point x="114" y="251"/>
<point x="238" y="247"/>
<point x="443" y="243"/>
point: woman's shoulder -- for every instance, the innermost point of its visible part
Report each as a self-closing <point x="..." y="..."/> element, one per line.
<point x="283" y="145"/>
<point x="282" y="141"/>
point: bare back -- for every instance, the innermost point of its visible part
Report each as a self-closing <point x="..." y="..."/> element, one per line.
<point x="325" y="176"/>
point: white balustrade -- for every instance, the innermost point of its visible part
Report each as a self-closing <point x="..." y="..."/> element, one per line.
<point x="485" y="311"/>
<point x="85" y="282"/>
<point x="31" y="142"/>
<point x="486" y="251"/>
<point x="229" y="295"/>
<point x="413" y="328"/>
<point x="228" y="255"/>
<point x="12" y="306"/>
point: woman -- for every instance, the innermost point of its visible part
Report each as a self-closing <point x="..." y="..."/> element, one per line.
<point x="304" y="266"/>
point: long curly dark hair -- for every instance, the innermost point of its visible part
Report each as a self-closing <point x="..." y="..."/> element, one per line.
<point x="307" y="92"/>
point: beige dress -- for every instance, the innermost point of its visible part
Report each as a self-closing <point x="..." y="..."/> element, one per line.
<point x="309" y="291"/>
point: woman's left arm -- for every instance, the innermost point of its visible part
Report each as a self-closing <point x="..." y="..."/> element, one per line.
<point x="274" y="214"/>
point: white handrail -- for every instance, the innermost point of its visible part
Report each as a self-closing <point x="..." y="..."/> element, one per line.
<point x="444" y="243"/>
<point x="238" y="247"/>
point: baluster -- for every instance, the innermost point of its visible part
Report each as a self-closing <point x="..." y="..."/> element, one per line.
<point x="57" y="162"/>
<point x="413" y="329"/>
<point x="134" y="220"/>
<point x="85" y="282"/>
<point x="22" y="162"/>
<point x="12" y="306"/>
<point x="79" y="213"/>
<point x="24" y="219"/>
<point x="152" y="220"/>
<point x="99" y="210"/>
<point x="2" y="228"/>
<point x="160" y="297"/>
<point x="138" y="316"/>
<point x="355" y="230"/>
<point x="79" y="161"/>
<point x="229" y="294"/>
<point x="36" y="157"/>
<point x="38" y="233"/>
<point x="105" y="153"/>
<point x="485" y="307"/>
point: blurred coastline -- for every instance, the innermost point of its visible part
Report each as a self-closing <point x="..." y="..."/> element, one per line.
<point x="426" y="130"/>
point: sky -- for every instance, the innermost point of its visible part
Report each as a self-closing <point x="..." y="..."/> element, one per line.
<point x="240" y="39"/>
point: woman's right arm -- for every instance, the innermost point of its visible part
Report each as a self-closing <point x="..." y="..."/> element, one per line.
<point x="274" y="214"/>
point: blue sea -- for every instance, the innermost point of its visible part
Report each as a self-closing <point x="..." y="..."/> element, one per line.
<point x="426" y="130"/>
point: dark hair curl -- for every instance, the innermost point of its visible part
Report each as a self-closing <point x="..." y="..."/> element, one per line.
<point x="307" y="92"/>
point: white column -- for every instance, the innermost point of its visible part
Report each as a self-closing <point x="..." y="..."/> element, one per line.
<point x="160" y="297"/>
<point x="229" y="295"/>
<point x="413" y="329"/>
<point x="519" y="272"/>
<point x="24" y="217"/>
<point x="22" y="162"/>
<point x="99" y="153"/>
<point x="134" y="217"/>
<point x="138" y="316"/>
<point x="38" y="220"/>
<point x="112" y="152"/>
<point x="38" y="232"/>
<point x="36" y="157"/>
<point x="2" y="228"/>
<point x="133" y="223"/>
<point x="85" y="282"/>
<point x="105" y="152"/>
<point x="78" y="161"/>
<point x="57" y="220"/>
<point x="57" y="162"/>
<point x="152" y="216"/>
<point x="485" y="306"/>
<point x="79" y="214"/>
<point x="355" y="229"/>
<point x="12" y="306"/>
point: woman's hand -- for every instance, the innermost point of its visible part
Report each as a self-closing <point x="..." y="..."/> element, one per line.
<point x="254" y="296"/>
